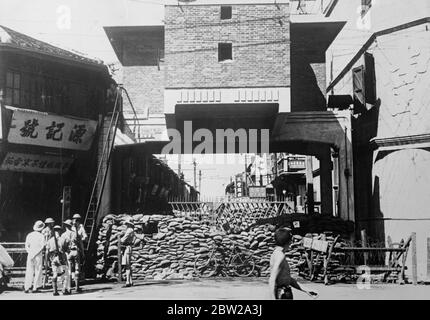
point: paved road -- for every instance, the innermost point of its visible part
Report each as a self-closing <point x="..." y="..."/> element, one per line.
<point x="227" y="289"/>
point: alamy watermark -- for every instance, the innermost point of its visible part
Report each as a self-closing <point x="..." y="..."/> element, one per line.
<point x="221" y="145"/>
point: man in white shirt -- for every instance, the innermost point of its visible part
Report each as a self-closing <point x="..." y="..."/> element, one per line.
<point x="34" y="245"/>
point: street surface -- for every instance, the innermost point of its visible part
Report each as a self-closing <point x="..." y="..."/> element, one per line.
<point x="226" y="289"/>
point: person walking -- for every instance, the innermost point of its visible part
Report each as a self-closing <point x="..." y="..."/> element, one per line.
<point x="34" y="245"/>
<point x="281" y="281"/>
<point x="56" y="248"/>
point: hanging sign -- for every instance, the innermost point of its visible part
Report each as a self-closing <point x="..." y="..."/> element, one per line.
<point x="24" y="162"/>
<point x="42" y="129"/>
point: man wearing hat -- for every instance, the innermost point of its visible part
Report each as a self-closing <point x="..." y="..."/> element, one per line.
<point x="47" y="234"/>
<point x="72" y="253"/>
<point x="76" y="255"/>
<point x="56" y="248"/>
<point x="127" y="242"/>
<point x="34" y="245"/>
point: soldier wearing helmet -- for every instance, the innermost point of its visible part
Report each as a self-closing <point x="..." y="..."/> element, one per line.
<point x="56" y="248"/>
<point x="76" y="254"/>
<point x="47" y="233"/>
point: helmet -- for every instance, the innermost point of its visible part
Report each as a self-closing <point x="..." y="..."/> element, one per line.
<point x="68" y="222"/>
<point x="76" y="216"/>
<point x="49" y="220"/>
<point x="57" y="227"/>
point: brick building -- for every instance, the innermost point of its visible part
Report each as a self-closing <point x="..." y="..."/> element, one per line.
<point x="241" y="65"/>
<point x="52" y="102"/>
<point x="381" y="60"/>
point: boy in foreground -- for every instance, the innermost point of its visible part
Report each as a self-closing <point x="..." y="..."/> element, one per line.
<point x="280" y="281"/>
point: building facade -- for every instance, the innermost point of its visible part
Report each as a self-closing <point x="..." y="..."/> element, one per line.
<point x="381" y="60"/>
<point x="52" y="103"/>
<point x="243" y="66"/>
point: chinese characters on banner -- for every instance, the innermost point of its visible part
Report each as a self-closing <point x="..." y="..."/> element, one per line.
<point x="35" y="163"/>
<point x="36" y="128"/>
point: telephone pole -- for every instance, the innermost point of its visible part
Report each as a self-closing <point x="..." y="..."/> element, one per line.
<point x="179" y="165"/>
<point x="200" y="181"/>
<point x="195" y="165"/>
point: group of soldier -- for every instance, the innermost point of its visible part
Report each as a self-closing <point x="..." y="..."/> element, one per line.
<point x="58" y="249"/>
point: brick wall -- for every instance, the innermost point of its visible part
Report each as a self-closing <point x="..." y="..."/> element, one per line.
<point x="145" y="85"/>
<point x="260" y="38"/>
<point x="143" y="72"/>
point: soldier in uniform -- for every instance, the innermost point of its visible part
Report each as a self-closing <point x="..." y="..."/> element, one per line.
<point x="77" y="252"/>
<point x="47" y="233"/>
<point x="56" y="248"/>
<point x="127" y="242"/>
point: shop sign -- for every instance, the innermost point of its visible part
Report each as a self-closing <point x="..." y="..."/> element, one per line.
<point x="257" y="192"/>
<point x="42" y="129"/>
<point x="35" y="163"/>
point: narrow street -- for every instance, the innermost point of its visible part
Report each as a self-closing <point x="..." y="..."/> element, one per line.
<point x="225" y="289"/>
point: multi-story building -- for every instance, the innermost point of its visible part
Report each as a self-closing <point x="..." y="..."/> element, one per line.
<point x="52" y="102"/>
<point x="380" y="63"/>
<point x="244" y="66"/>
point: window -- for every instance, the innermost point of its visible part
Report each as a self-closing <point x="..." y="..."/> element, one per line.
<point x="225" y="51"/>
<point x="364" y="85"/>
<point x="365" y="6"/>
<point x="226" y="12"/>
<point x="13" y="88"/>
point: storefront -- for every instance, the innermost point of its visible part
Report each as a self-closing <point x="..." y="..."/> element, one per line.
<point x="42" y="153"/>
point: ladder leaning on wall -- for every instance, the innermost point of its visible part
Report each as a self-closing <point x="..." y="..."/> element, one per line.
<point x="92" y="213"/>
<point x="90" y="220"/>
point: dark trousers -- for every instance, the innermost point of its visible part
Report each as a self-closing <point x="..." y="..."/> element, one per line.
<point x="284" y="293"/>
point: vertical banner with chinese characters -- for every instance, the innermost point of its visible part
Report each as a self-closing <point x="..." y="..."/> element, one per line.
<point x="41" y="129"/>
<point x="35" y="163"/>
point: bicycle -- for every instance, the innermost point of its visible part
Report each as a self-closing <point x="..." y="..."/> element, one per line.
<point x="222" y="259"/>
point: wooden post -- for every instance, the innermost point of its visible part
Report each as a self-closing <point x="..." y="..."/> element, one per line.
<point x="364" y="244"/>
<point x="119" y="259"/>
<point x="414" y="259"/>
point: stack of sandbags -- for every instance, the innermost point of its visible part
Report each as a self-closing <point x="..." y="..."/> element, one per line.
<point x="171" y="252"/>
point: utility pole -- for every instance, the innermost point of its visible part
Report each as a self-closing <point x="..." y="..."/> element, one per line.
<point x="179" y="165"/>
<point x="200" y="181"/>
<point x="245" y="183"/>
<point x="195" y="165"/>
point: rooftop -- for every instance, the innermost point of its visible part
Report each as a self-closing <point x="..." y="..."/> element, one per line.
<point x="13" y="39"/>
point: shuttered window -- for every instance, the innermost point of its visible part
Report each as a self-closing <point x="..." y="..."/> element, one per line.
<point x="364" y="85"/>
<point x="358" y="88"/>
